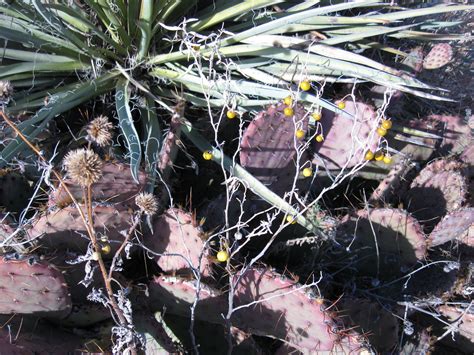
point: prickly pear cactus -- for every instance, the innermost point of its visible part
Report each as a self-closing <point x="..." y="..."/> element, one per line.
<point x="439" y="188"/>
<point x="414" y="60"/>
<point x="456" y="226"/>
<point x="177" y="240"/>
<point x="392" y="185"/>
<point x="33" y="336"/>
<point x="64" y="229"/>
<point x="6" y="228"/>
<point x="370" y="318"/>
<point x="15" y="191"/>
<point x="28" y="286"/>
<point x="116" y="186"/>
<point x="269" y="305"/>
<point x="346" y="141"/>
<point x="384" y="241"/>
<point x="463" y="339"/>
<point x="440" y="55"/>
<point x="211" y="337"/>
<point x="457" y="132"/>
<point x="269" y="142"/>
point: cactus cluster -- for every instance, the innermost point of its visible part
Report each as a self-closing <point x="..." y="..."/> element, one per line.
<point x="256" y="177"/>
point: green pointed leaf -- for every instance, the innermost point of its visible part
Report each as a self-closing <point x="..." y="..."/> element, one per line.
<point x="132" y="139"/>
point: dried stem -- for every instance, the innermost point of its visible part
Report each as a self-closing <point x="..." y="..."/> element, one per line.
<point x="87" y="221"/>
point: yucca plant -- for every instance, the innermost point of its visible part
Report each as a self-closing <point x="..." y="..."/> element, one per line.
<point x="224" y="56"/>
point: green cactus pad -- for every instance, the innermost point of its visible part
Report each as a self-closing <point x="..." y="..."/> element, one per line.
<point x="400" y="241"/>
<point x="27" y="286"/>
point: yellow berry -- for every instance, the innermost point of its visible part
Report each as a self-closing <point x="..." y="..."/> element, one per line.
<point x="231" y="114"/>
<point x="299" y="133"/>
<point x="95" y="256"/>
<point x="319" y="138"/>
<point x="207" y="155"/>
<point x="341" y="105"/>
<point x="369" y="155"/>
<point x="387" y="124"/>
<point x="379" y="156"/>
<point x="222" y="256"/>
<point x="290" y="219"/>
<point x="316" y="116"/>
<point x="307" y="172"/>
<point x="288" y="100"/>
<point x="387" y="159"/>
<point x="305" y="85"/>
<point x="196" y="47"/>
<point x="106" y="249"/>
<point x="288" y="111"/>
<point x="381" y="131"/>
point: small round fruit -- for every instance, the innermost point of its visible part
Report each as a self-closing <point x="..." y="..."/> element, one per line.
<point x="341" y="105"/>
<point x="95" y="256"/>
<point x="299" y="134"/>
<point x="381" y="131"/>
<point x="387" y="124"/>
<point x="231" y="114"/>
<point x="379" y="156"/>
<point x="369" y="155"/>
<point x="288" y="100"/>
<point x="288" y="111"/>
<point x="207" y="155"/>
<point x="316" y="116"/>
<point x="290" y="219"/>
<point x="106" y="249"/>
<point x="104" y="239"/>
<point x="319" y="138"/>
<point x="222" y="256"/>
<point x="387" y="159"/>
<point x="305" y="85"/>
<point x="307" y="172"/>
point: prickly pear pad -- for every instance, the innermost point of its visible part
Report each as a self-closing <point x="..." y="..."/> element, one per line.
<point x="346" y="141"/>
<point x="175" y="234"/>
<point x="456" y="226"/>
<point x="61" y="229"/>
<point x="279" y="309"/>
<point x="116" y="185"/>
<point x="400" y="240"/>
<point x="391" y="185"/>
<point x="276" y="308"/>
<point x="439" y="188"/>
<point x="440" y="55"/>
<point x="268" y="143"/>
<point x="27" y="286"/>
<point x="370" y="318"/>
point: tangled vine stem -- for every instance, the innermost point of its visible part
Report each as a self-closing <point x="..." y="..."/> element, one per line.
<point x="87" y="222"/>
<point x="254" y="184"/>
